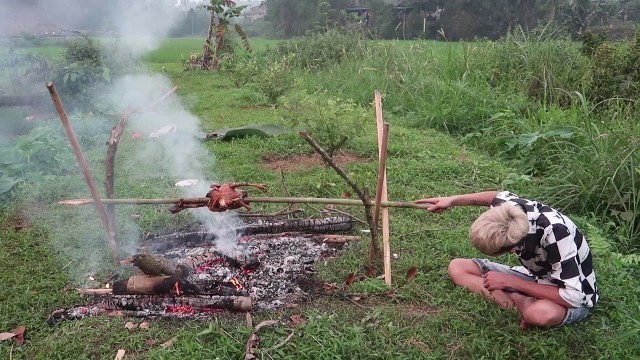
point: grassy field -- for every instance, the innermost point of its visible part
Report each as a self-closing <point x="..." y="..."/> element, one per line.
<point x="45" y="247"/>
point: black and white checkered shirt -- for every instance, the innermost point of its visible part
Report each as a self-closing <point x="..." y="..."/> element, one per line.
<point x="555" y="252"/>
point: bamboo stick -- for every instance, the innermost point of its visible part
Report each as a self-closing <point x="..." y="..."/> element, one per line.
<point x="383" y="140"/>
<point x="84" y="167"/>
<point x="270" y="200"/>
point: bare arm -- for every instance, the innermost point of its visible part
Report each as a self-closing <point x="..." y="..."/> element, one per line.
<point x="500" y="281"/>
<point x="443" y="203"/>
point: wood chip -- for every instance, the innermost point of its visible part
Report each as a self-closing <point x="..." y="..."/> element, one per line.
<point x="120" y="354"/>
<point x="249" y="320"/>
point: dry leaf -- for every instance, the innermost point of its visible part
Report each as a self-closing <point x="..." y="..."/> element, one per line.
<point x="120" y="354"/>
<point x="371" y="271"/>
<point x="411" y="273"/>
<point x="346" y="194"/>
<point x="297" y="319"/>
<point x="19" y="331"/>
<point x="144" y="325"/>
<point x="169" y="342"/>
<point x="329" y="288"/>
<point x="150" y="342"/>
<point x="252" y="344"/>
<point x="266" y="323"/>
<point x="350" y="279"/>
<point x="129" y="325"/>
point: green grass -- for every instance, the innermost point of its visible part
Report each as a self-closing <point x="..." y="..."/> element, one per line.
<point x="431" y="320"/>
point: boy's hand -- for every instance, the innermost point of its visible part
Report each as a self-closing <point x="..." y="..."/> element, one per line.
<point x="438" y="204"/>
<point x="494" y="280"/>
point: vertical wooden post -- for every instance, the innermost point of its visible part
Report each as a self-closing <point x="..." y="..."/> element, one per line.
<point x="84" y="168"/>
<point x="381" y="190"/>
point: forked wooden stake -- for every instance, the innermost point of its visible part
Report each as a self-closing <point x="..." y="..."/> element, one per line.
<point x="381" y="190"/>
<point x="84" y="167"/>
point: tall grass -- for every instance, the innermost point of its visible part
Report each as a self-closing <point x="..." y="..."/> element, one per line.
<point x="526" y="99"/>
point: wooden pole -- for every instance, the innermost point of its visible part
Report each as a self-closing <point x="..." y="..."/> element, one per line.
<point x="383" y="140"/>
<point x="84" y="167"/>
<point x="109" y="163"/>
<point x="268" y="200"/>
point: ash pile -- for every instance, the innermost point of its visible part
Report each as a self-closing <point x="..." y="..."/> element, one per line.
<point x="187" y="275"/>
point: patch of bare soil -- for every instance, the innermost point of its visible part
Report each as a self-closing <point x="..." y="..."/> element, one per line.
<point x="299" y="162"/>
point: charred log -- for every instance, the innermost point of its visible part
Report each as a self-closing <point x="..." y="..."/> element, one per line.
<point x="203" y="237"/>
<point x="202" y="303"/>
<point x="324" y="225"/>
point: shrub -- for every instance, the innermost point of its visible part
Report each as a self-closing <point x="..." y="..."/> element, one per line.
<point x="320" y="51"/>
<point x="275" y="80"/>
<point x="330" y="121"/>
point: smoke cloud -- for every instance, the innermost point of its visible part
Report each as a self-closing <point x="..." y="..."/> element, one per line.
<point x="169" y="144"/>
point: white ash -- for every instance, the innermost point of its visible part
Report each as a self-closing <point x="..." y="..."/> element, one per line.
<point x="284" y="262"/>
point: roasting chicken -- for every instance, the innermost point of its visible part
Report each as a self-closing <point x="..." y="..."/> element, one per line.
<point x="221" y="198"/>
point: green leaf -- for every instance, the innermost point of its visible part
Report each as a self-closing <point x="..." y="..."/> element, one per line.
<point x="528" y="139"/>
<point x="65" y="78"/>
<point x="73" y="77"/>
<point x="7" y="183"/>
<point x="255" y="130"/>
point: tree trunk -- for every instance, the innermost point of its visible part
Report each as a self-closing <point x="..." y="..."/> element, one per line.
<point x="206" y="51"/>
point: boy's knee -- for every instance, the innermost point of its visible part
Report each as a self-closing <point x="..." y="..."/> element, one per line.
<point x="542" y="315"/>
<point x="460" y="268"/>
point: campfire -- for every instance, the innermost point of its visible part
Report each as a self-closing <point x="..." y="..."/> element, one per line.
<point x="184" y="274"/>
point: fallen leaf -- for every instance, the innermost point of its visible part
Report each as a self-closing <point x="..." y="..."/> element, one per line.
<point x="346" y="194"/>
<point x="169" y="342"/>
<point x="297" y="319"/>
<point x="19" y="331"/>
<point x="129" y="325"/>
<point x="371" y="271"/>
<point x="329" y="287"/>
<point x="411" y="273"/>
<point x="266" y="323"/>
<point x="144" y="325"/>
<point x="150" y="342"/>
<point x="252" y="344"/>
<point x="120" y="354"/>
<point x="350" y="279"/>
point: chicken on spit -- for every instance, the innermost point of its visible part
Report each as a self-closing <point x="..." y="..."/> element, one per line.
<point x="222" y="197"/>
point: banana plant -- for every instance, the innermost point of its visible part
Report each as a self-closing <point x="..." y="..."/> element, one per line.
<point x="223" y="11"/>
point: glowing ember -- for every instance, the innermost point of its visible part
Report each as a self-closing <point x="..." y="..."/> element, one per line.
<point x="237" y="284"/>
<point x="182" y="309"/>
<point x="208" y="265"/>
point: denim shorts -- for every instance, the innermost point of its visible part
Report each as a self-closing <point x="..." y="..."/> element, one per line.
<point x="574" y="315"/>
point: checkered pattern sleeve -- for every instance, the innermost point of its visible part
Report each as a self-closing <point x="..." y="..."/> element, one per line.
<point x="562" y="255"/>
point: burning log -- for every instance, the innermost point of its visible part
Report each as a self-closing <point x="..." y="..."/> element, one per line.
<point x="199" y="303"/>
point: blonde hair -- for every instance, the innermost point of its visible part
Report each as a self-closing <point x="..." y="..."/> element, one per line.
<point x="499" y="227"/>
